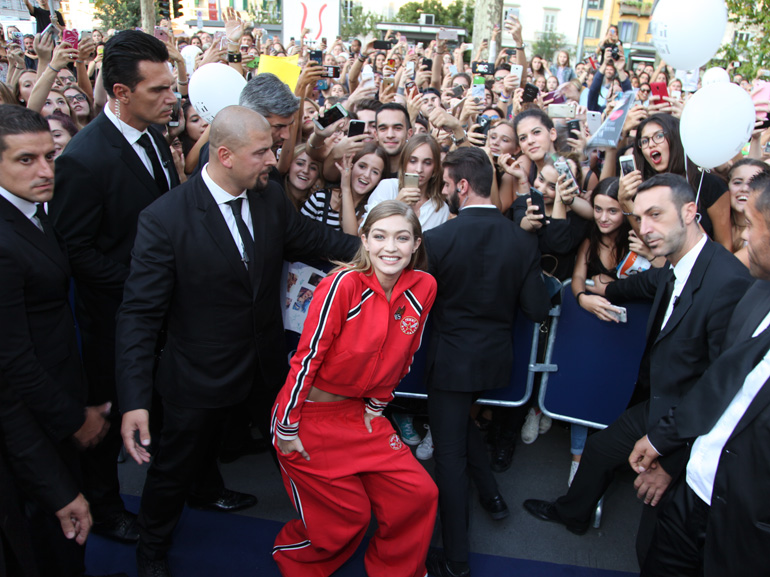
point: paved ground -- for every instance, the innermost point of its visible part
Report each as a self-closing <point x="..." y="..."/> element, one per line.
<point x="540" y="470"/>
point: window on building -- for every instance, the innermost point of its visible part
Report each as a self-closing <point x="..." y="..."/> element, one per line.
<point x="549" y="21"/>
<point x="593" y="28"/>
<point x="741" y="37"/>
<point x="628" y="31"/>
<point x="596" y="4"/>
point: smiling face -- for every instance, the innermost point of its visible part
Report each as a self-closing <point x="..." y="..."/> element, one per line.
<point x="535" y="139"/>
<point x="390" y="243"/>
<point x="366" y="174"/>
<point x="545" y="182"/>
<point x="657" y="154"/>
<point x="501" y="140"/>
<point x="392" y="132"/>
<point x="739" y="186"/>
<point x="421" y="163"/>
<point x="608" y="215"/>
<point x="60" y="136"/>
<point x="26" y="166"/>
<point x="303" y="172"/>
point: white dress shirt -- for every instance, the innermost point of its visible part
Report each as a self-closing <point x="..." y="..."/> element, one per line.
<point x="707" y="449"/>
<point x="132" y="136"/>
<point x="26" y="207"/>
<point x="682" y="272"/>
<point x="429" y="216"/>
<point x="222" y="197"/>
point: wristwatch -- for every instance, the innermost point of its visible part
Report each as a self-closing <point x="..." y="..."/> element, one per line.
<point x="459" y="141"/>
<point x="234" y="57"/>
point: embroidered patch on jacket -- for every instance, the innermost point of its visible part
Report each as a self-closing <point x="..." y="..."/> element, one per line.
<point x="409" y="325"/>
<point x="395" y="442"/>
<point x="399" y="313"/>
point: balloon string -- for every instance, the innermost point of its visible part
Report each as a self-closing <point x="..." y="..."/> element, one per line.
<point x="700" y="184"/>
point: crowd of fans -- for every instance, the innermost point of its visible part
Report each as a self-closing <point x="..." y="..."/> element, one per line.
<point x="404" y="109"/>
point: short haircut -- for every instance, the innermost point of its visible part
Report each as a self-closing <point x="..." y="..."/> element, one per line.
<point x="462" y="75"/>
<point x="503" y="66"/>
<point x="760" y="186"/>
<point x="395" y="106"/>
<point x="368" y="104"/>
<point x="16" y="119"/>
<point x="422" y="121"/>
<point x="122" y="55"/>
<point x="269" y="95"/>
<point x="473" y="165"/>
<point x="681" y="191"/>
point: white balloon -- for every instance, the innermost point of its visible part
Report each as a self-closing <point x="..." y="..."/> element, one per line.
<point x="687" y="33"/>
<point x="213" y="87"/>
<point x="189" y="53"/>
<point x="716" y="124"/>
<point x="714" y="76"/>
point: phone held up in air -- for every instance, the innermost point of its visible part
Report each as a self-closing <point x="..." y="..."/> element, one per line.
<point x="356" y="128"/>
<point x="530" y="93"/>
<point x="627" y="164"/>
<point x="331" y="116"/>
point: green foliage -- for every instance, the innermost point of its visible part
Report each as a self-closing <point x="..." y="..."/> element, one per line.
<point x="458" y="13"/>
<point x="754" y="54"/>
<point x="120" y="14"/>
<point x="547" y="44"/>
<point x="360" y="24"/>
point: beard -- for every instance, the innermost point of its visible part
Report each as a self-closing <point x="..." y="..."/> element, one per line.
<point x="454" y="203"/>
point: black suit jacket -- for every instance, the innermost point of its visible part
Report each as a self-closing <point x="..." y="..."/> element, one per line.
<point x="101" y="187"/>
<point x="221" y="330"/>
<point x="739" y="522"/>
<point x="695" y="333"/>
<point x="486" y="268"/>
<point x="38" y="350"/>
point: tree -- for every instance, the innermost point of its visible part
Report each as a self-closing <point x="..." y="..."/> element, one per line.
<point x="752" y="50"/>
<point x="548" y="43"/>
<point x="458" y="13"/>
<point x="486" y="14"/>
<point x="360" y="23"/>
<point x="119" y="14"/>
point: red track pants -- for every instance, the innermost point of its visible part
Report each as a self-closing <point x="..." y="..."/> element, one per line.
<point x="350" y="473"/>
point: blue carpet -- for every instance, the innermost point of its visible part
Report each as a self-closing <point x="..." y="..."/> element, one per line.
<point x="230" y="545"/>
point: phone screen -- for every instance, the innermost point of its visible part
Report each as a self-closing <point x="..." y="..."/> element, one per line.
<point x="537" y="200"/>
<point x="356" y="128"/>
<point x="332" y="115"/>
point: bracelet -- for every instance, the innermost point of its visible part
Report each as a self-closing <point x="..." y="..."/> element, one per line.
<point x="54" y="69"/>
<point x="580" y="294"/>
<point x="522" y="47"/>
<point x="361" y="59"/>
<point x="234" y="57"/>
<point x="504" y="98"/>
<point x="459" y="141"/>
<point x="180" y="83"/>
<point x="570" y="204"/>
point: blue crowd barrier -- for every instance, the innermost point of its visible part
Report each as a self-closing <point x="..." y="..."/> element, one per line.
<point x="591" y="366"/>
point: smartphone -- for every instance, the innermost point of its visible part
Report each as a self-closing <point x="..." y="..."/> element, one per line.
<point x="562" y="110"/>
<point x="410" y="69"/>
<point x="517" y="70"/>
<point x="427" y="62"/>
<point x="660" y="90"/>
<point x="392" y="62"/>
<point x="537" y="200"/>
<point x="253" y="63"/>
<point x="762" y="94"/>
<point x="478" y="90"/>
<point x="530" y="93"/>
<point x="452" y="70"/>
<point x="18" y="37"/>
<point x="554" y="98"/>
<point x="383" y="45"/>
<point x="677" y="94"/>
<point x="562" y="167"/>
<point x="512" y="13"/>
<point x="510" y="52"/>
<point x="71" y="37"/>
<point x="483" y="68"/>
<point x="322" y="84"/>
<point x="356" y="128"/>
<point x="593" y="121"/>
<point x="331" y="72"/>
<point x="620" y="314"/>
<point x="573" y="126"/>
<point x="367" y="77"/>
<point x="484" y="124"/>
<point x="100" y="50"/>
<point x="317" y="56"/>
<point x="160" y="33"/>
<point x="458" y="91"/>
<point x="387" y="81"/>
<point x="174" y="120"/>
<point x="331" y="116"/>
<point x="411" y="180"/>
<point x="627" y="164"/>
<point x="448" y="35"/>
<point x="219" y="38"/>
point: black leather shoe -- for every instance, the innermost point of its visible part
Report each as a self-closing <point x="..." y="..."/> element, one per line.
<point x="227" y="501"/>
<point x="502" y="456"/>
<point x="151" y="567"/>
<point x="546" y="511"/>
<point x="496" y="507"/>
<point x="118" y="527"/>
<point x="438" y="566"/>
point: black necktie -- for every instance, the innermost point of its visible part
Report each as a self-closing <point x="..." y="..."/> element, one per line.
<point x="157" y="167"/>
<point x="42" y="218"/>
<point x="248" y="242"/>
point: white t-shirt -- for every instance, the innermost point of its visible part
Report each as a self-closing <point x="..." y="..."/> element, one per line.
<point x="388" y="190"/>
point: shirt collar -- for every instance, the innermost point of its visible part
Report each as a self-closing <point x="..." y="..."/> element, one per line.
<point x="26" y="207"/>
<point x="478" y="206"/>
<point x="683" y="268"/>
<point x="130" y="133"/>
<point x="221" y="196"/>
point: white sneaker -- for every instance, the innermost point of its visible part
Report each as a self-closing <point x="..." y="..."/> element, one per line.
<point x="425" y="448"/>
<point x="545" y="424"/>
<point x="405" y="426"/>
<point x="531" y="427"/>
<point x="572" y="470"/>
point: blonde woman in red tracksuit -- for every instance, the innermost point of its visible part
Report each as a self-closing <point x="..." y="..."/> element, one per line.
<point x="340" y="459"/>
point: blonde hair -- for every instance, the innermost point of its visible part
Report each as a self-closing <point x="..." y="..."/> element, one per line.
<point x="387" y="208"/>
